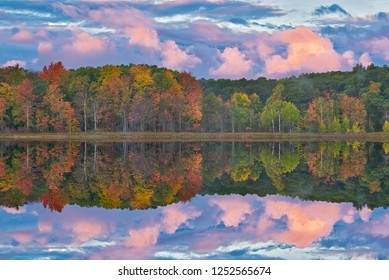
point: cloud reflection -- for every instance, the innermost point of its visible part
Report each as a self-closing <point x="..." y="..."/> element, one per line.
<point x="211" y="227"/>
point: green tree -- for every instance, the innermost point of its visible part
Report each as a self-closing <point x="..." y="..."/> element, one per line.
<point x="240" y="111"/>
<point x="290" y="115"/>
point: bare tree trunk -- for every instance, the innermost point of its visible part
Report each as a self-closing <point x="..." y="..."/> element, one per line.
<point x="28" y="156"/>
<point x="28" y="118"/>
<point x="84" y="114"/>
<point x="85" y="177"/>
<point x="95" y="159"/>
<point x="95" y="112"/>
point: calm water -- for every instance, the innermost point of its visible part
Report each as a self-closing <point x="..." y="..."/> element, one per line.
<point x="194" y="200"/>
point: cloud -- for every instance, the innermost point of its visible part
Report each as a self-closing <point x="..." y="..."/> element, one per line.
<point x="23" y="237"/>
<point x="205" y="31"/>
<point x="23" y="36"/>
<point x="305" y="222"/>
<point x="234" y="208"/>
<point x="234" y="65"/>
<point x="379" y="227"/>
<point x="333" y="9"/>
<point x="21" y="63"/>
<point x="143" y="237"/>
<point x="14" y="211"/>
<point x="45" y="226"/>
<point x="218" y="10"/>
<point x="380" y="46"/>
<point x="45" y="47"/>
<point x="175" y="215"/>
<point x="306" y="52"/>
<point x="85" y="230"/>
<point x="143" y="36"/>
<point x="86" y="44"/>
<point x="365" y="59"/>
<point x="365" y="214"/>
<point x="121" y="17"/>
<point x="350" y="57"/>
<point x="68" y="10"/>
<point x="175" y="58"/>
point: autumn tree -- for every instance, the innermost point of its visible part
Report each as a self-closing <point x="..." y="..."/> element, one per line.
<point x="54" y="74"/>
<point x="142" y="95"/>
<point x="6" y="102"/>
<point x="321" y="113"/>
<point x="24" y="101"/>
<point x="81" y="87"/>
<point x="192" y="92"/>
<point x="354" y="110"/>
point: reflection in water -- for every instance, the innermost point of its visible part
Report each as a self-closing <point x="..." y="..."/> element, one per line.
<point x="214" y="226"/>
<point x="197" y="200"/>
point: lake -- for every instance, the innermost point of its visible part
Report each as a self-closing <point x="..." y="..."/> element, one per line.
<point x="200" y="200"/>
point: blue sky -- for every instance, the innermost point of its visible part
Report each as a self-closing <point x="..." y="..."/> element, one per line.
<point x="209" y="38"/>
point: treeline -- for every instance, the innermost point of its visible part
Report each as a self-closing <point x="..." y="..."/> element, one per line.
<point x="148" y="175"/>
<point x="109" y="98"/>
<point x="147" y="98"/>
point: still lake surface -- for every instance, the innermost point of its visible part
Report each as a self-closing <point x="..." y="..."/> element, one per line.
<point x="208" y="200"/>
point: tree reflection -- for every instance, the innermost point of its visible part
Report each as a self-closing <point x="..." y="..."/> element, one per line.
<point x="148" y="175"/>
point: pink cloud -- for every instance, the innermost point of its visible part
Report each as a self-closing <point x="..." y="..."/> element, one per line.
<point x="365" y="214"/>
<point x="121" y="17"/>
<point x="349" y="216"/>
<point x="85" y="230"/>
<point x="234" y="208"/>
<point x="209" y="241"/>
<point x="23" y="236"/>
<point x="349" y="56"/>
<point x="14" y="63"/>
<point x="45" y="226"/>
<point x="380" y="46"/>
<point x="306" y="222"/>
<point x="306" y="52"/>
<point x="143" y="36"/>
<point x="43" y="33"/>
<point x="23" y="36"/>
<point x="175" y="58"/>
<point x="143" y="237"/>
<point x="235" y="64"/>
<point x="365" y="59"/>
<point x="261" y="45"/>
<point x="174" y="216"/>
<point x="86" y="45"/>
<point x="208" y="32"/>
<point x="45" y="47"/>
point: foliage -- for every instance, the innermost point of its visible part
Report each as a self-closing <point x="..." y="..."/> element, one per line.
<point x="147" y="98"/>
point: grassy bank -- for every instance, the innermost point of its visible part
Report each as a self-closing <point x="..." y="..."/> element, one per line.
<point x="188" y="137"/>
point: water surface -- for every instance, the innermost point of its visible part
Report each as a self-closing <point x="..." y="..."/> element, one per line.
<point x="194" y="200"/>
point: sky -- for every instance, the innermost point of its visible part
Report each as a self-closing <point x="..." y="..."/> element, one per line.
<point x="206" y="227"/>
<point x="208" y="38"/>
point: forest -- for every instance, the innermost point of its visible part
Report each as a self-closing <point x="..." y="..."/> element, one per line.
<point x="142" y="98"/>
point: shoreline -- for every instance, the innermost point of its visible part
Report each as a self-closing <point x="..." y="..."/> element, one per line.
<point x="193" y="137"/>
